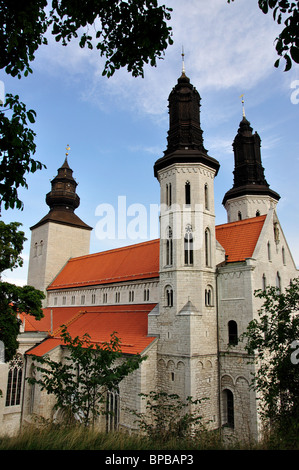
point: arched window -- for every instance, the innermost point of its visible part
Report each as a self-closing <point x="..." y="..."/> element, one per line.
<point x="112" y="410"/>
<point x="229" y="418"/>
<point x="269" y="251"/>
<point x="169" y="296"/>
<point x="188" y="245"/>
<point x="131" y="296"/>
<point x="209" y="296"/>
<point x="257" y="214"/>
<point x="239" y="216"/>
<point x="146" y="295"/>
<point x="283" y="255"/>
<point x="264" y="281"/>
<point x="278" y="282"/>
<point x="169" y="248"/>
<point x="232" y="333"/>
<point x="207" y="247"/>
<point x="168" y="195"/>
<point x="206" y="194"/>
<point x="14" y="382"/>
<point x="187" y="193"/>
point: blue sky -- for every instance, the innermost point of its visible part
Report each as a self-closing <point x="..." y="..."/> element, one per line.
<point x="116" y="128"/>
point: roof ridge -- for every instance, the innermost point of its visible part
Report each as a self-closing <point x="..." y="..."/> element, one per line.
<point x="120" y="248"/>
<point x="69" y="322"/>
<point x="243" y="222"/>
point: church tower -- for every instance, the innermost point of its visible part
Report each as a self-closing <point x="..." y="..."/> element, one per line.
<point x="250" y="195"/>
<point x="60" y="235"/>
<point x="186" y="321"/>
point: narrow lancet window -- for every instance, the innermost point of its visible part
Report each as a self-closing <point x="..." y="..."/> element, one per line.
<point x="187" y="193"/>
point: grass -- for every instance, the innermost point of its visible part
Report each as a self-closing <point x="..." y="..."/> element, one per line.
<point x="79" y="438"/>
<point x="54" y="437"/>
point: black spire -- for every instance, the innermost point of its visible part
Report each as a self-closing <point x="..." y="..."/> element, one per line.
<point x="63" y="194"/>
<point x="249" y="177"/>
<point x="185" y="136"/>
<point x="63" y="200"/>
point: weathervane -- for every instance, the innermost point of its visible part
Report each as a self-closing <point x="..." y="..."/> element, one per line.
<point x="243" y="108"/>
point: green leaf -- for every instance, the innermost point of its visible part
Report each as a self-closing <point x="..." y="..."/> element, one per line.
<point x="294" y="51"/>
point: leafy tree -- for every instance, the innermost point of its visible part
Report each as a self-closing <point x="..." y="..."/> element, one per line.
<point x="271" y="340"/>
<point x="128" y="33"/>
<point x="80" y="382"/>
<point x="168" y="416"/>
<point x="14" y="299"/>
<point x="16" y="147"/>
<point x="287" y="43"/>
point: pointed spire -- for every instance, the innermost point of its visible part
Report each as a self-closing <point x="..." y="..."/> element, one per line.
<point x="183" y="61"/>
<point x="243" y="107"/>
<point x="249" y="177"/>
<point x="185" y="136"/>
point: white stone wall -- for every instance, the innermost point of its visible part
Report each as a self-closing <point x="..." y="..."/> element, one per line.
<point x="248" y="206"/>
<point x="52" y="245"/>
<point x="137" y="292"/>
<point x="236" y="301"/>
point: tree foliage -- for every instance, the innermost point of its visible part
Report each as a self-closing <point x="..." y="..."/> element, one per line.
<point x="128" y="33"/>
<point x="287" y="43"/>
<point x="80" y="381"/>
<point x="16" y="149"/>
<point x="14" y="299"/>
<point x="168" y="416"/>
<point x="273" y="341"/>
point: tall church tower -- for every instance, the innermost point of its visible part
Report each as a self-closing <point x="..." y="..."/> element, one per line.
<point x="250" y="195"/>
<point x="60" y="235"/>
<point x="186" y="322"/>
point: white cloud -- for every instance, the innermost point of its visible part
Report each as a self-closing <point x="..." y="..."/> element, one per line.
<point x="226" y="45"/>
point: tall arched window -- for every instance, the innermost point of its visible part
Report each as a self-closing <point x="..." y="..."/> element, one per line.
<point x="207" y="247"/>
<point x="278" y="282"/>
<point x="169" y="247"/>
<point x="187" y="193"/>
<point x="206" y="194"/>
<point x="239" y="215"/>
<point x="232" y="333"/>
<point x="283" y="255"/>
<point x="188" y="245"/>
<point x="209" y="296"/>
<point x="112" y="410"/>
<point x="229" y="418"/>
<point x="14" y="382"/>
<point x="269" y="251"/>
<point x="264" y="281"/>
<point x="169" y="296"/>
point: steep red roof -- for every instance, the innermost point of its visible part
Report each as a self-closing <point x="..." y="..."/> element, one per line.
<point x="140" y="261"/>
<point x="239" y="238"/>
<point x="130" y="322"/>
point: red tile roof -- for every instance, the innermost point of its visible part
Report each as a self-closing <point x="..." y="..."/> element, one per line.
<point x="130" y="322"/>
<point x="140" y="261"/>
<point x="239" y="238"/>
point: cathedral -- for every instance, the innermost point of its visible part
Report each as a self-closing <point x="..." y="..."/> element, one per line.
<point x="182" y="300"/>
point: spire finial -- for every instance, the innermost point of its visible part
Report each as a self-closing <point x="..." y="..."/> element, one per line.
<point x="183" y="61"/>
<point x="67" y="150"/>
<point x="243" y="108"/>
